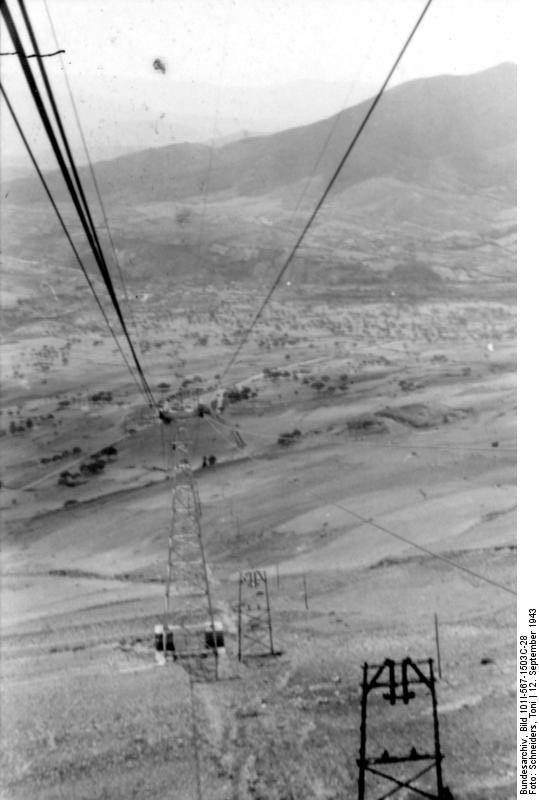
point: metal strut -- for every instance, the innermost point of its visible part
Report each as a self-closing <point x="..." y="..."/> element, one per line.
<point x="386" y="676"/>
<point x="190" y="628"/>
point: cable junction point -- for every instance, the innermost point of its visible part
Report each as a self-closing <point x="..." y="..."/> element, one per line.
<point x="33" y="55"/>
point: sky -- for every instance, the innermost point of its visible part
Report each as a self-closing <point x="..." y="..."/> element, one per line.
<point x="264" y="42"/>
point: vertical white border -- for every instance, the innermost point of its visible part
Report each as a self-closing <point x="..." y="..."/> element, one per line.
<point x="528" y="309"/>
<point x="528" y="334"/>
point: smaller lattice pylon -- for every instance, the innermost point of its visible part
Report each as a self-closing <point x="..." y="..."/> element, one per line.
<point x="255" y="631"/>
<point x="189" y="611"/>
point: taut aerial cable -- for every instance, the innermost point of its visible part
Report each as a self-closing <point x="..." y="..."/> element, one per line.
<point x="326" y="191"/>
<point x="72" y="182"/>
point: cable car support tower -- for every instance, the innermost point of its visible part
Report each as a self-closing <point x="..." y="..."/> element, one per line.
<point x="190" y="629"/>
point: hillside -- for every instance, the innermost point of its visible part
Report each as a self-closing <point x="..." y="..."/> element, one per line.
<point x="366" y="461"/>
<point x="121" y="115"/>
<point x="435" y="172"/>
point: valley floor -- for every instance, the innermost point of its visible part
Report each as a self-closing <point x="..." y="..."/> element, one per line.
<point x="414" y="446"/>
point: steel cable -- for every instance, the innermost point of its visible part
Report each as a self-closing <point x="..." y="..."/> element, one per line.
<point x="326" y="191"/>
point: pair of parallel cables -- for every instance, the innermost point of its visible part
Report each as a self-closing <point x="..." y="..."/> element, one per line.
<point x="70" y="174"/>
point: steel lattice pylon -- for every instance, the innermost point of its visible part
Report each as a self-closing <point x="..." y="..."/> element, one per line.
<point x="189" y="612"/>
<point x="255" y="633"/>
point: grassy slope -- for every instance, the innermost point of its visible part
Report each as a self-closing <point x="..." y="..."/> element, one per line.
<point x="88" y="715"/>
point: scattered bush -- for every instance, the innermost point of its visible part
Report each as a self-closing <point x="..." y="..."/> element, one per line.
<point x="67" y="478"/>
<point x="286" y="439"/>
<point x="104" y="396"/>
<point x="270" y="372"/>
<point x="109" y="451"/>
<point x="366" y="423"/>
<point x="93" y="467"/>
<point x="410" y="385"/>
<point x="235" y="395"/>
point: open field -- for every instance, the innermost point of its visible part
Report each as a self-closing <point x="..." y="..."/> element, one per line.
<point x="402" y="413"/>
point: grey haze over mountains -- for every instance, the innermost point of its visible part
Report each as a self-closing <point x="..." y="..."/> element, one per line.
<point x="457" y="129"/>
<point x="437" y="164"/>
<point x="121" y="115"/>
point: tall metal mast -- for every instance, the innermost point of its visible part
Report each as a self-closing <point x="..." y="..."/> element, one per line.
<point x="188" y="600"/>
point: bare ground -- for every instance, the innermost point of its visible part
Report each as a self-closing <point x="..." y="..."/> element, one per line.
<point x="87" y="713"/>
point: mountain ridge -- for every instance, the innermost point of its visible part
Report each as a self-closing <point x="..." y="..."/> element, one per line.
<point x="412" y="115"/>
<point x="433" y="175"/>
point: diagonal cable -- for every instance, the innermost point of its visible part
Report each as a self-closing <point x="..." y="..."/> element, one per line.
<point x="68" y="235"/>
<point x="87" y="225"/>
<point x="326" y="191"/>
<point x="90" y="165"/>
<point x="61" y="129"/>
<point x="65" y="173"/>
<point x="433" y="554"/>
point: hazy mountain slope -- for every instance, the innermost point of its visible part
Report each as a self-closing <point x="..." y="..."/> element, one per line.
<point x="122" y="114"/>
<point x="453" y="119"/>
<point x="431" y="181"/>
<point x="430" y="130"/>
